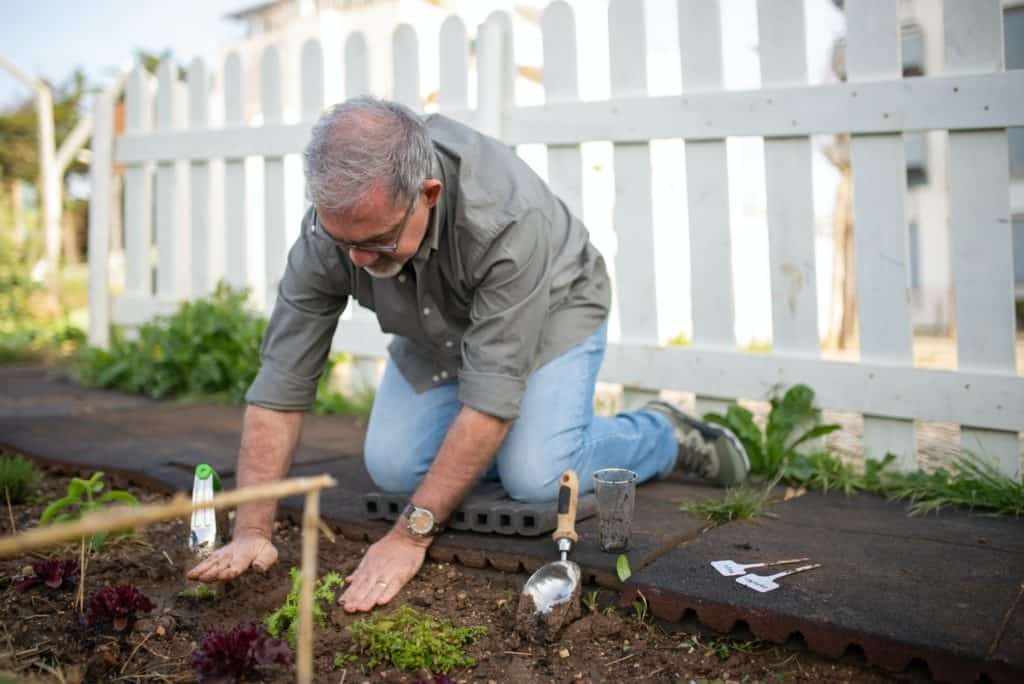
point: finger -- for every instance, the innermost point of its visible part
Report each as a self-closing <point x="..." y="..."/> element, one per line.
<point x="363" y="593"/>
<point x="372" y="598"/>
<point x="390" y="592"/>
<point x="265" y="557"/>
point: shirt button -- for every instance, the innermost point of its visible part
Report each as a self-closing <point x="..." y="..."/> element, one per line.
<point x="437" y="379"/>
<point x="426" y="311"/>
<point x="402" y="277"/>
<point x="449" y="344"/>
<point x="444" y="374"/>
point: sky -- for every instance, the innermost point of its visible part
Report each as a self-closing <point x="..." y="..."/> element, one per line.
<point x="50" y="38"/>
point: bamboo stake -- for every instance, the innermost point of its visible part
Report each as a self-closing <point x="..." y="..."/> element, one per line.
<point x="310" y="531"/>
<point x="10" y="511"/>
<point x="139" y="517"/>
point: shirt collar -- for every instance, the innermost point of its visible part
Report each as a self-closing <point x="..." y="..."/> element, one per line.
<point x="432" y="238"/>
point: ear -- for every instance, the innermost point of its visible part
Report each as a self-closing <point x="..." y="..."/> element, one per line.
<point x="432" y="191"/>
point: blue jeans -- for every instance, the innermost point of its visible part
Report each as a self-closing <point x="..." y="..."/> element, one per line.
<point x="556" y="430"/>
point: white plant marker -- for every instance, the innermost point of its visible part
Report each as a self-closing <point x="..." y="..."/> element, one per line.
<point x="731" y="568"/>
<point x="764" y="583"/>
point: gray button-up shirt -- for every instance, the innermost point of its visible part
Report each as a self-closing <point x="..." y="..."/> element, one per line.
<point x="506" y="279"/>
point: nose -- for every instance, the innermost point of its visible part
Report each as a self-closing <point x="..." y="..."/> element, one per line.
<point x="360" y="258"/>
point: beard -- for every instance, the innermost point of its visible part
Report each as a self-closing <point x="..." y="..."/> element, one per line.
<point x="385" y="269"/>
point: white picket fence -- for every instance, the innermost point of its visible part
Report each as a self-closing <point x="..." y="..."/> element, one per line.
<point x="975" y="100"/>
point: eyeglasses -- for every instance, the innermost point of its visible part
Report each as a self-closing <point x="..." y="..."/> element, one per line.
<point x="318" y="230"/>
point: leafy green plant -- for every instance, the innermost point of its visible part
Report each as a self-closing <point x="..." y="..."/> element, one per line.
<point x="785" y="430"/>
<point x="285" y="618"/>
<point x="83" y="496"/>
<point x="590" y="600"/>
<point x="18" y="478"/>
<point x="208" y="347"/>
<point x="827" y="472"/>
<point x="411" y="641"/>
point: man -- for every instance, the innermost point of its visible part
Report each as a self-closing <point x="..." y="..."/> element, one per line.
<point x="498" y="304"/>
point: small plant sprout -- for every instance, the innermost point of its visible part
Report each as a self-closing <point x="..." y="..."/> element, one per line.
<point x="411" y="641"/>
<point x="640" y="608"/>
<point x="238" y="654"/>
<point x="52" y="573"/>
<point x="117" y="606"/>
<point x="83" y="497"/>
<point x="590" y="600"/>
<point x="285" y="619"/>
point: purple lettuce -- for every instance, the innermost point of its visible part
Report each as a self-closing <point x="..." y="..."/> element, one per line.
<point x="52" y="573"/>
<point x="118" y="605"/>
<point x="238" y="653"/>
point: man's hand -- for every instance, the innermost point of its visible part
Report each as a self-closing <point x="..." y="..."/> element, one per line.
<point x="228" y="562"/>
<point x="387" y="566"/>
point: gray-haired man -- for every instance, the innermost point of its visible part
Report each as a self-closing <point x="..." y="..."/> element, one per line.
<point x="497" y="302"/>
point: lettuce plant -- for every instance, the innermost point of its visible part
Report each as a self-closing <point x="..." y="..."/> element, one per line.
<point x="52" y="573"/>
<point x="239" y="653"/>
<point x="117" y="605"/>
<point x="84" y="497"/>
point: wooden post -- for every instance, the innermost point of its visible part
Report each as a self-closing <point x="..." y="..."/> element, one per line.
<point x="310" y="529"/>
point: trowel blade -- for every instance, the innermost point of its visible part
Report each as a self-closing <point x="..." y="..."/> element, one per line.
<point x="552" y="585"/>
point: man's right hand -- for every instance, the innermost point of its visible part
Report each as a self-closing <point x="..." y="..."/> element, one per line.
<point x="228" y="562"/>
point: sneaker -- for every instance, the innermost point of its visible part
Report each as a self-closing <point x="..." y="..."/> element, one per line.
<point x="709" y="451"/>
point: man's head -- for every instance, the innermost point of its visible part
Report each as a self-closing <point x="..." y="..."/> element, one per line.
<point x="368" y="166"/>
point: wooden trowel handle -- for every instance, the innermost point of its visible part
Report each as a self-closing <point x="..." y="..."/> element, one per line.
<point x="568" y="494"/>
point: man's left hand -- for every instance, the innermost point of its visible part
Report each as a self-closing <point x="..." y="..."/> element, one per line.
<point x="387" y="566"/>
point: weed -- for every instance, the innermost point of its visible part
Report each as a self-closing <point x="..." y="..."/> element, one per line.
<point x="411" y="641"/>
<point x="285" y="619"/>
<point x="200" y="592"/>
<point x="81" y="499"/>
<point x="975" y="484"/>
<point x="18" y="478"/>
<point x="640" y="609"/>
<point x="344" y="659"/>
<point x="739" y="503"/>
<point x="590" y="600"/>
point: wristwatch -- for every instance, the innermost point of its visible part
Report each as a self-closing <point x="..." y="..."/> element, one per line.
<point x="420" y="521"/>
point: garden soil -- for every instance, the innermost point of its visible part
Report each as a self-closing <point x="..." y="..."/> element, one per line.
<point x="42" y="637"/>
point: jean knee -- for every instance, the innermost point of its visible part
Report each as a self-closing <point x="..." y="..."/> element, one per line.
<point x="530" y="472"/>
<point x="392" y="468"/>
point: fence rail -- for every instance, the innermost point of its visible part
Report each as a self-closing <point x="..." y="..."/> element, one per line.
<point x="169" y="194"/>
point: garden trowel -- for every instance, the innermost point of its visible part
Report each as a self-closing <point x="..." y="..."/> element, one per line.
<point x="551" y="597"/>
<point x="208" y="528"/>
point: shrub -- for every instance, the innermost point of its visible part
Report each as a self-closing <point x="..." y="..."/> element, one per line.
<point x="18" y="477"/>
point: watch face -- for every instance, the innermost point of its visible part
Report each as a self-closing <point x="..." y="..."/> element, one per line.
<point x="421" y="521"/>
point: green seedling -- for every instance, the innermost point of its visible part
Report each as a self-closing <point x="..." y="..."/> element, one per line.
<point x="18" y="478"/>
<point x="83" y="497"/>
<point x="344" y="659"/>
<point x="622" y="568"/>
<point x="640" y="609"/>
<point x="411" y="641"/>
<point x="285" y="619"/>
<point x="200" y="592"/>
<point x="590" y="600"/>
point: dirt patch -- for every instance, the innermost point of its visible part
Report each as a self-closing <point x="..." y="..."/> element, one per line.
<point x="42" y="637"/>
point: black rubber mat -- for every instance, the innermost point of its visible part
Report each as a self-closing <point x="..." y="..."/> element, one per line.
<point x="487" y="509"/>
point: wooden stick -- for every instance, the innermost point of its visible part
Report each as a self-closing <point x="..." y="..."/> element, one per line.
<point x="138" y="517"/>
<point x="310" y="537"/>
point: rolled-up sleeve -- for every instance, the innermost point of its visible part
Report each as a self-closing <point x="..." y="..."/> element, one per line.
<point x="508" y="309"/>
<point x="310" y="298"/>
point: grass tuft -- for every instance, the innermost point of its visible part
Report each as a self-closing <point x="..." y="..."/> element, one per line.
<point x="411" y="641"/>
<point x="18" y="478"/>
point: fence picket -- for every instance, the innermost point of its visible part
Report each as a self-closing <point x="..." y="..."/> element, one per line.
<point x="312" y="79"/>
<point x="980" y="229"/>
<point x="101" y="173"/>
<point x="405" y="61"/>
<point x="635" y="280"/>
<point x="495" y="89"/>
<point x="561" y="83"/>
<point x="357" y="65"/>
<point x="880" y="229"/>
<point x="199" y="180"/>
<point x="273" y="177"/>
<point x="171" y="203"/>
<point x="236" y="267"/>
<point x="707" y="191"/>
<point x="782" y="41"/>
<point x="454" y="93"/>
<point x="138" y="192"/>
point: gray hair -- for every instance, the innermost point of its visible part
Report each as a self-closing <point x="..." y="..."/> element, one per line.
<point x="363" y="143"/>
